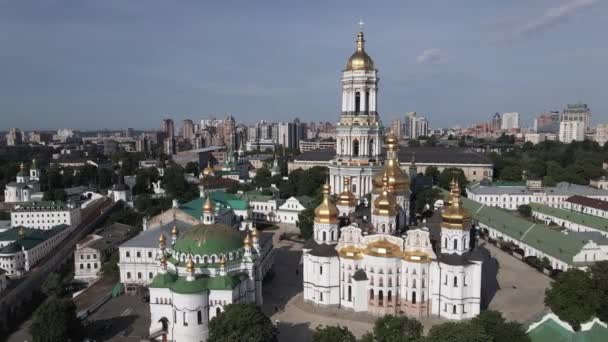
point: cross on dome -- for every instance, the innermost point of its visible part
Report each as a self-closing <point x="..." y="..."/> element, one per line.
<point x="361" y="23"/>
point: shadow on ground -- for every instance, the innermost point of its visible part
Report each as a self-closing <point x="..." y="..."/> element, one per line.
<point x="286" y="282"/>
<point x="112" y="328"/>
<point x="489" y="278"/>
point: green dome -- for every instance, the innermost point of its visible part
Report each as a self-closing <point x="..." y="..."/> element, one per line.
<point x="208" y="240"/>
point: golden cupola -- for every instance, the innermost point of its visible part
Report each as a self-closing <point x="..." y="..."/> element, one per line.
<point x="360" y="60"/>
<point x="398" y="181"/>
<point x="326" y="212"/>
<point x="346" y="197"/>
<point x="385" y="205"/>
<point x="208" y="206"/>
<point x="208" y="170"/>
<point x="190" y="266"/>
<point x="455" y="216"/>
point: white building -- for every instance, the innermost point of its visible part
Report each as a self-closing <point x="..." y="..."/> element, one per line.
<point x="601" y="134"/>
<point x="26" y="188"/>
<point x="376" y="268"/>
<point x="509" y="121"/>
<point x="289" y="211"/>
<point x="536" y="138"/>
<point x="21" y="248"/>
<point x="200" y="272"/>
<point x="577" y="112"/>
<point x="571" y="131"/>
<point x="415" y="126"/>
<point x="512" y="196"/>
<point x="45" y="214"/>
<point x="95" y="249"/>
<point x="138" y="261"/>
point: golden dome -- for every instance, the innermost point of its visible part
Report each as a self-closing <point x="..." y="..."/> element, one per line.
<point x="347" y="198"/>
<point x="190" y="266"/>
<point x="360" y="60"/>
<point x="455" y="216"/>
<point x="161" y="238"/>
<point x="383" y="248"/>
<point x="174" y="231"/>
<point x="208" y="206"/>
<point x="209" y="170"/>
<point x="398" y="181"/>
<point x="326" y="212"/>
<point x="254" y="232"/>
<point x="384" y="205"/>
<point x="222" y="261"/>
<point x="163" y="260"/>
<point x="247" y="241"/>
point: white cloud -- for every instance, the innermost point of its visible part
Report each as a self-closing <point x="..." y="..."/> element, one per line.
<point x="429" y="56"/>
<point x="555" y="15"/>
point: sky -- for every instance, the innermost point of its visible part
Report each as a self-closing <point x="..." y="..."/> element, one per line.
<point x="90" y="64"/>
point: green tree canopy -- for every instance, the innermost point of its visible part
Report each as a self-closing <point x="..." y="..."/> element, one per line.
<point x="450" y="173"/>
<point x="242" y="323"/>
<point x="599" y="274"/>
<point x="262" y="177"/>
<point x="458" y="332"/>
<point x="573" y="297"/>
<point x="397" y="329"/>
<point x="525" y="210"/>
<point x="499" y="329"/>
<point x="333" y="334"/>
<point x="53" y="285"/>
<point x="55" y="320"/>
<point x="432" y="171"/>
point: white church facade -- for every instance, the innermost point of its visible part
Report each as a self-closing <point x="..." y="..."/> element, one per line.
<point x="362" y="257"/>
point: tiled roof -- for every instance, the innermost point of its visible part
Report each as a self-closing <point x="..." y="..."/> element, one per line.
<point x="33" y="237"/>
<point x="588" y="202"/>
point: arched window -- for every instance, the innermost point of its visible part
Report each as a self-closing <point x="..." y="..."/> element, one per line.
<point x="357" y="102"/>
<point x="413" y="297"/>
<point x="455" y="281"/>
<point x="371" y="294"/>
<point x="324" y="236"/>
<point x="217" y="311"/>
<point x="390" y="295"/>
<point x="380" y="297"/>
<point x="355" y="148"/>
<point x="366" y="101"/>
<point x="370" y="147"/>
<point x="350" y="291"/>
<point x="422" y="297"/>
<point x="455" y="243"/>
<point x="383" y="228"/>
<point x="445" y="242"/>
<point x="332" y="235"/>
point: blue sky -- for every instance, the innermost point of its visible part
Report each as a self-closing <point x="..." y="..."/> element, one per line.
<point x="117" y="63"/>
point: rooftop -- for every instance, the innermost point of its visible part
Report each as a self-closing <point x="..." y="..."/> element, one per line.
<point x="588" y="202"/>
<point x="41" y="206"/>
<point x="573" y="216"/>
<point x="31" y="239"/>
<point x="561" y="189"/>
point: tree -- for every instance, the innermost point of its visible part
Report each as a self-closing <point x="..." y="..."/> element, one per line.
<point x="333" y="334"/>
<point x="495" y="325"/>
<point x="573" y="297"/>
<point x="458" y="332"/>
<point x="242" y="322"/>
<point x="56" y="320"/>
<point x="192" y="168"/>
<point x="599" y="275"/>
<point x="525" y="210"/>
<point x="413" y="143"/>
<point x="397" y="329"/>
<point x="306" y="222"/>
<point x="52" y="286"/>
<point x="262" y="178"/>
<point x="427" y="196"/>
<point x="110" y="268"/>
<point x="432" y="171"/>
<point x="446" y="176"/>
<point x="511" y="173"/>
<point x="55" y="195"/>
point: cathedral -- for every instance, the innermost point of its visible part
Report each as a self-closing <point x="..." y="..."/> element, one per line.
<point x="362" y="257"/>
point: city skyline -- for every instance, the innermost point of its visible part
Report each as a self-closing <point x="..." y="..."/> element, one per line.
<point x="116" y="65"/>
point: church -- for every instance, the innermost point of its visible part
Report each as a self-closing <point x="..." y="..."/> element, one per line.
<point x="362" y="257"/>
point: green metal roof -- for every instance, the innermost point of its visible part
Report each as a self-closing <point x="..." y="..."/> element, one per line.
<point x="200" y="284"/>
<point x="56" y="205"/>
<point x="573" y="216"/>
<point x="551" y="331"/>
<point x="536" y="235"/>
<point x="163" y="280"/>
<point x="209" y="239"/>
<point x="32" y="238"/>
<point x="255" y="195"/>
<point x="221" y="199"/>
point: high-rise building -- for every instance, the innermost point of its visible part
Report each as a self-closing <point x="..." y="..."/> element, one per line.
<point x="577" y="112"/>
<point x="571" y="130"/>
<point x="188" y="129"/>
<point x="397" y="128"/>
<point x="496" y="122"/>
<point x="510" y="121"/>
<point x="415" y="126"/>
<point x="290" y="133"/>
<point x="168" y="128"/>
<point x="601" y="134"/>
<point x="547" y="123"/>
<point x="129" y="132"/>
<point x="14" y="137"/>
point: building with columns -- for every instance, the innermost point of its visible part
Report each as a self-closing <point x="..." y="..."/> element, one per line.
<point x="373" y="265"/>
<point x="359" y="132"/>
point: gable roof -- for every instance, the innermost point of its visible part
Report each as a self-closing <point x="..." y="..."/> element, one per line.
<point x="586" y="220"/>
<point x="588" y="202"/>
